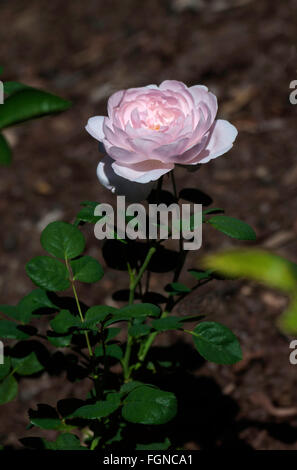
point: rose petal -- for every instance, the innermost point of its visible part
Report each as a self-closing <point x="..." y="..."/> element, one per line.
<point x="200" y="94"/>
<point x="114" y="101"/>
<point x="124" y="156"/>
<point x="220" y="140"/>
<point x="143" y="172"/>
<point x="95" y="127"/>
<point x="170" y="152"/>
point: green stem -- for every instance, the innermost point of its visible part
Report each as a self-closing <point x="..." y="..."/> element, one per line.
<point x="133" y="284"/>
<point x="78" y="307"/>
<point x="151" y="338"/>
<point x="170" y="303"/>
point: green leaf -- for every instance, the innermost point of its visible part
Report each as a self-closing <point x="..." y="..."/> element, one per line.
<point x="8" y="389"/>
<point x="11" y="330"/>
<point x="155" y="445"/>
<point x="134" y="311"/>
<point x="257" y="265"/>
<point x="46" y="417"/>
<point x="86" y="269"/>
<point x="27" y="365"/>
<point x="64" y="442"/>
<point x="177" y="288"/>
<point x="50" y="423"/>
<point x="37" y="299"/>
<point x="232" y="227"/>
<point x="139" y="310"/>
<point x="29" y="103"/>
<point x="63" y="321"/>
<point x="148" y="405"/>
<point x="190" y="318"/>
<point x="48" y="273"/>
<point x="100" y="409"/>
<point x="86" y="214"/>
<point x="5" y="368"/>
<point x="10" y="311"/>
<point x="139" y="330"/>
<point x="111" y="333"/>
<point x="129" y="386"/>
<point x="212" y="210"/>
<point x="216" y="343"/>
<point x="63" y="240"/>
<point x="97" y="314"/>
<point x="23" y="312"/>
<point x="5" y="151"/>
<point x="288" y="320"/>
<point x="112" y="350"/>
<point x="200" y="275"/>
<point x="59" y="341"/>
<point x="169" y="323"/>
<point x="10" y="88"/>
<point x="47" y="423"/>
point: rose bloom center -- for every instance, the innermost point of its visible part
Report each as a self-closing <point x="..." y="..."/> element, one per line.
<point x="157" y="114"/>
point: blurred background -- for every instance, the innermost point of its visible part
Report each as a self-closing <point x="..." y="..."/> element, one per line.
<point x="245" y="52"/>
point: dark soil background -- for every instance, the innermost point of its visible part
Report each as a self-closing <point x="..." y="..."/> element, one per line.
<point x="245" y="52"/>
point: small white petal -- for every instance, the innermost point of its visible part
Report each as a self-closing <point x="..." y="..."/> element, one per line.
<point x="95" y="127"/>
<point x="121" y="186"/>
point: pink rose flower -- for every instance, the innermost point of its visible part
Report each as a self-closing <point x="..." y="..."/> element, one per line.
<point x="150" y="129"/>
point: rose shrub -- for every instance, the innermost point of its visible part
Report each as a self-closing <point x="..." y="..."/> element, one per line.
<point x="150" y="129"/>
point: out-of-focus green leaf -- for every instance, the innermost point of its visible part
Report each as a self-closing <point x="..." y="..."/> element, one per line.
<point x="288" y="320"/>
<point x="5" y="150"/>
<point x="257" y="265"/>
